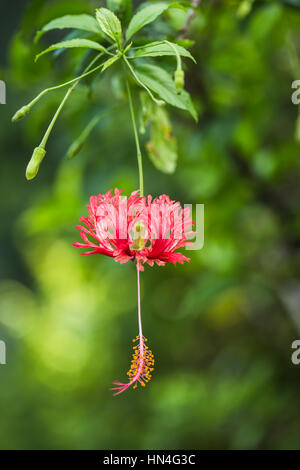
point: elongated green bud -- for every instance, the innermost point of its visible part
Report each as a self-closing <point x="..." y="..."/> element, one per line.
<point x="179" y="80"/>
<point x="20" y="113"/>
<point x="77" y="145"/>
<point x="75" y="148"/>
<point x="34" y="163"/>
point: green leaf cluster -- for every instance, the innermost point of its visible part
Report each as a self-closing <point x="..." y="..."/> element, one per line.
<point x="113" y="39"/>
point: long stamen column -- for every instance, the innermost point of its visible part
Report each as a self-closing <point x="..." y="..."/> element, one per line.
<point x="142" y="363"/>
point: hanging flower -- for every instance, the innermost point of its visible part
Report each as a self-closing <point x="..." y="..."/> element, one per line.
<point x="138" y="228"/>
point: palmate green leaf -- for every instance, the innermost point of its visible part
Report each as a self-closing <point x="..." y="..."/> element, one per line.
<point x="146" y="16"/>
<point x="83" y="22"/>
<point x="87" y="43"/>
<point x="109" y="23"/>
<point x="162" y="146"/>
<point x="161" y="82"/>
<point x="159" y="48"/>
<point x="73" y="34"/>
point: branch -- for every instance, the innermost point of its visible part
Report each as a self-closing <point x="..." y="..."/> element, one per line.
<point x="191" y="14"/>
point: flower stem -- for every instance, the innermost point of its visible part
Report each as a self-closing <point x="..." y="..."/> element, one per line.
<point x="158" y="102"/>
<point x="136" y="136"/>
<point x="50" y="127"/>
<point x="178" y="58"/>
<point x="139" y="310"/>
<point x="139" y="301"/>
<point x="57" y="87"/>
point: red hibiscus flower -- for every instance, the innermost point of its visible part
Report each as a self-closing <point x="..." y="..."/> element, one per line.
<point x="138" y="228"/>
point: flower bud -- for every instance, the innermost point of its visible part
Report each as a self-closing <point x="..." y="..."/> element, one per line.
<point x="34" y="163"/>
<point x="20" y="113"/>
<point x="74" y="149"/>
<point x="179" y="80"/>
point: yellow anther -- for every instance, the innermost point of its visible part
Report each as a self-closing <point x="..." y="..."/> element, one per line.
<point x="139" y="238"/>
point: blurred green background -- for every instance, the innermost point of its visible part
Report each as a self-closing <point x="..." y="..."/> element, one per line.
<point x="221" y="327"/>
